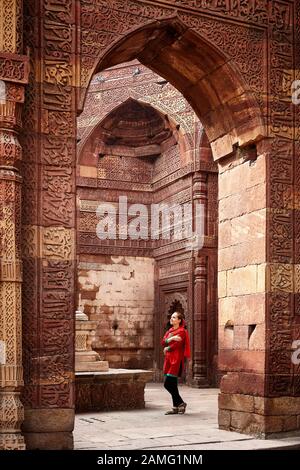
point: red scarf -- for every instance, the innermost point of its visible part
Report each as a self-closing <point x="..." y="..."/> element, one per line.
<point x="187" y="346"/>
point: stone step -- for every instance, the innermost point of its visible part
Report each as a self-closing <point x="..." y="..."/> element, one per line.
<point x="90" y="356"/>
<point x="98" y="366"/>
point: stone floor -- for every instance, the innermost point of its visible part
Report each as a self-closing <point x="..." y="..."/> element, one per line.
<point x="151" y="429"/>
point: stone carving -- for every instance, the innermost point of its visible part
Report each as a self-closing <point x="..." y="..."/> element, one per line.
<point x="58" y="285"/>
<point x="58" y="243"/>
<point x="14" y="73"/>
<point x="57" y="395"/>
<point x="11" y="30"/>
<point x="14" y="68"/>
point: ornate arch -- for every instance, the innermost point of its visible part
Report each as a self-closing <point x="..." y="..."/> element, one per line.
<point x="208" y="79"/>
<point x="185" y="129"/>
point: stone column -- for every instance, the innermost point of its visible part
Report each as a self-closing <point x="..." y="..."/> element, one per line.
<point x="200" y="291"/>
<point x="11" y="371"/>
<point x="200" y="324"/>
<point x="259" y="260"/>
<point x="48" y="224"/>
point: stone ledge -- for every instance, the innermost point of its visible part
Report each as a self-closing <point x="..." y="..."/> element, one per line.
<point x="117" y="389"/>
<point x="134" y="374"/>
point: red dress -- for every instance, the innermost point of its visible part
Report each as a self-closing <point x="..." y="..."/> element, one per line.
<point x="178" y="350"/>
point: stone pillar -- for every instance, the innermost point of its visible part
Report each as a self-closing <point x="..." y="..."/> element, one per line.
<point x="200" y="324"/>
<point x="11" y="370"/>
<point x="13" y="77"/>
<point x="48" y="224"/>
<point x="259" y="261"/>
<point x="200" y="290"/>
<point x="241" y="289"/>
<point x="86" y="360"/>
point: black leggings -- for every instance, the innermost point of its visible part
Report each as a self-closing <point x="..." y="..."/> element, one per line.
<point x="171" y="384"/>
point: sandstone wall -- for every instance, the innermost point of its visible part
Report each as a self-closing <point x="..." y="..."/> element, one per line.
<point x="118" y="292"/>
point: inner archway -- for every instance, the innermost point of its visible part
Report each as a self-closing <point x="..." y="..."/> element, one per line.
<point x="116" y="139"/>
<point x="233" y="119"/>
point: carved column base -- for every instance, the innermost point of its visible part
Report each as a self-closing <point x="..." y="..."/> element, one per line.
<point x="12" y="442"/>
<point x="200" y="382"/>
<point x="11" y="417"/>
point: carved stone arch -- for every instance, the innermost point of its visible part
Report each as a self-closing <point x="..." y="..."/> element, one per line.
<point x="184" y="134"/>
<point x="104" y="112"/>
<point x="176" y="296"/>
<point x="207" y="78"/>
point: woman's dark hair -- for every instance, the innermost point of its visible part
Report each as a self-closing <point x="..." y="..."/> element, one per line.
<point x="181" y="317"/>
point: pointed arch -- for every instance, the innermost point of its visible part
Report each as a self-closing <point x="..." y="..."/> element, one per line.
<point x="201" y="72"/>
<point x="105" y="112"/>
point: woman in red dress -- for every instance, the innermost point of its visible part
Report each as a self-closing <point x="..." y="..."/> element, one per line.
<point x="176" y="348"/>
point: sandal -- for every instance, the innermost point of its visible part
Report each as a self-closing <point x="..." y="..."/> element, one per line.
<point x="181" y="408"/>
<point x="173" y="411"/>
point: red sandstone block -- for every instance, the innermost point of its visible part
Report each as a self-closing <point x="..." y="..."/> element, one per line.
<point x="249" y="228"/>
<point x="247" y="383"/>
<point x="226" y="310"/>
<point x="222" y="284"/>
<point x="242" y="254"/>
<point x="273" y="424"/>
<point x="242" y="310"/>
<point x="248" y="361"/>
<point x="240" y="337"/>
<point x="251" y="423"/>
<point x="290" y="423"/>
<point x="250" y="309"/>
<point x="244" y="202"/>
<point x="281" y="406"/>
<point x="257" y="173"/>
<point x="257" y="340"/>
<point x="241" y="177"/>
<point x="230" y="182"/>
<point x="241" y="281"/>
<point x="225" y="337"/>
<point x="241" y="421"/>
<point x="111" y="358"/>
<point x="224" y="419"/>
<point x="237" y="402"/>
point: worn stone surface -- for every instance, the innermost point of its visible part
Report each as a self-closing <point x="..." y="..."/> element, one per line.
<point x="196" y="429"/>
<point x="48" y="421"/>
<point x="122" y="306"/>
<point x="49" y="441"/>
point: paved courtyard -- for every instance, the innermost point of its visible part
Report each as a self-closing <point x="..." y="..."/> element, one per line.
<point x="151" y="429"/>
